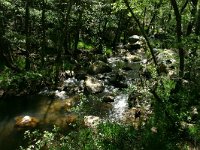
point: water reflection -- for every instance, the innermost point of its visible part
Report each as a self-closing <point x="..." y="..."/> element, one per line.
<point x="35" y="106"/>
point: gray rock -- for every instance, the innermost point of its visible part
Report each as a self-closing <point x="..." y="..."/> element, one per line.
<point x="133" y="47"/>
<point x="92" y="121"/>
<point x="108" y="98"/>
<point x="118" y="80"/>
<point x="132" y="58"/>
<point x="99" y="67"/>
<point x="133" y="39"/>
<point x="93" y="85"/>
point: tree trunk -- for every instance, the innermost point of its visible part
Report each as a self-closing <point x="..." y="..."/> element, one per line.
<point x="43" y="32"/>
<point x="117" y="32"/>
<point x="79" y="24"/>
<point x="101" y="36"/>
<point x="66" y="39"/>
<point x="184" y="6"/>
<point x="156" y="9"/>
<point x="197" y="26"/>
<point x="5" y="55"/>
<point x="179" y="37"/>
<point x="27" y="18"/>
<point x="193" y="17"/>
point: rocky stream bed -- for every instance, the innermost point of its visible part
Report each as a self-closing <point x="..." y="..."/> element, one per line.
<point x="108" y="89"/>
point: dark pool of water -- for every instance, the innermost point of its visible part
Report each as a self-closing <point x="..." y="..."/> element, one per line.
<point x="10" y="136"/>
<point x="48" y="111"/>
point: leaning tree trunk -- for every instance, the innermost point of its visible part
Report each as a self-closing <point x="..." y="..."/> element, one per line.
<point x="142" y="32"/>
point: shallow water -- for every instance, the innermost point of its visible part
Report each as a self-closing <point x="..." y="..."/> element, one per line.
<point x="49" y="112"/>
<point x="54" y="111"/>
<point x="120" y="105"/>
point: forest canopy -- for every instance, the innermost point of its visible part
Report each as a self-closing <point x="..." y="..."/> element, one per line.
<point x="41" y="39"/>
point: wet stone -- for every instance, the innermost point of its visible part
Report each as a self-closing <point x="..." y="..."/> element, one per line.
<point x="99" y="67"/>
<point x="108" y="99"/>
<point x="93" y="85"/>
<point x="26" y="122"/>
<point x="133" y="39"/>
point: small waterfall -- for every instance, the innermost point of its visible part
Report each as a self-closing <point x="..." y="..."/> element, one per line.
<point x="120" y="105"/>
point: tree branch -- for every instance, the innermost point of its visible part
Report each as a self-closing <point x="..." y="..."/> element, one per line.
<point x="142" y="31"/>
<point x="184" y="6"/>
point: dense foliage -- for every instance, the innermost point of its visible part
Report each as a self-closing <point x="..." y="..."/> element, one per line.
<point x="40" y="39"/>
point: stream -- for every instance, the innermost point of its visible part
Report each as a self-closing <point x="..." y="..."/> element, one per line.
<point x="50" y="111"/>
